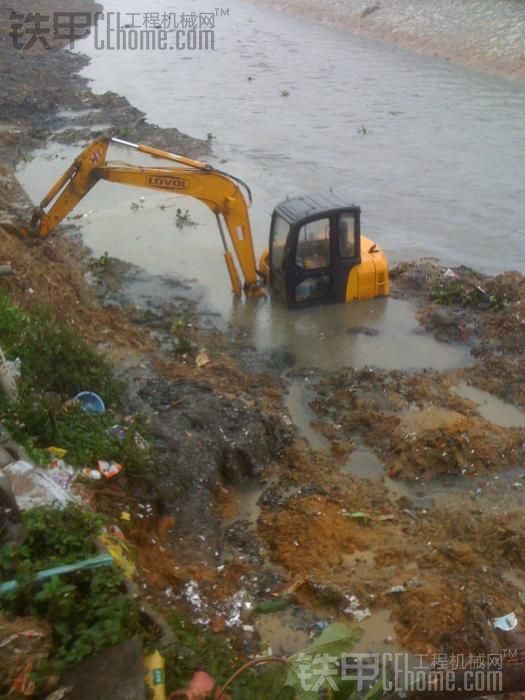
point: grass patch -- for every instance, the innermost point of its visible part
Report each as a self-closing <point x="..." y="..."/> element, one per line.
<point x="468" y="296"/>
<point x="56" y="364"/>
<point x="196" y="649"/>
<point x="87" y="610"/>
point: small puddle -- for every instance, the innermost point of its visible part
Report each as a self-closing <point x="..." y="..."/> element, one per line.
<point x="282" y="632"/>
<point x="246" y="503"/>
<point x="365" y="464"/>
<point x="297" y="403"/>
<point x="492" y="408"/>
<point x="362" y="462"/>
<point x="378" y="633"/>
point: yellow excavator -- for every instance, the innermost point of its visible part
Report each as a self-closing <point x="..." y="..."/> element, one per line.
<point x="316" y="253"/>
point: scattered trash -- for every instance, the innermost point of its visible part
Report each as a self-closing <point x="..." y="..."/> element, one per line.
<point x="23" y="683"/>
<point x="449" y="273"/>
<point x="202" y="359"/>
<point x="119" y="551"/>
<point x="58" y="452"/>
<point x="125" y="516"/>
<point x="91" y="474"/>
<point x="9" y="376"/>
<point x="193" y="596"/>
<point x="410" y="513"/>
<point x="140" y="442"/>
<point x="360" y="615"/>
<point x="12" y="531"/>
<point x="90" y="402"/>
<point x="506" y="622"/>
<point x="202" y="686"/>
<point x="396" y="589"/>
<point x="60" y="693"/>
<point x="109" y="469"/>
<point x="61" y="473"/>
<point x="271" y="606"/>
<point x="354" y="608"/>
<point x="155" y="675"/>
<point x="239" y="603"/>
<point x="118" y="431"/>
<point x="295" y="585"/>
<point x="358" y="515"/>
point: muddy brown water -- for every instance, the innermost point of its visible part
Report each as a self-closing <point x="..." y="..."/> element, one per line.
<point x="439" y="171"/>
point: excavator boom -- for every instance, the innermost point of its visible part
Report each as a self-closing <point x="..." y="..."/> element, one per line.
<point x="219" y="191"/>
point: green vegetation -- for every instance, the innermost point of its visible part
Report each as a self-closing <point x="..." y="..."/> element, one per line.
<point x="87" y="610"/>
<point x="183" y="219"/>
<point x="56" y="364"/>
<point x="454" y="292"/>
<point x="181" y="344"/>
<point x="196" y="649"/>
<point x="99" y="266"/>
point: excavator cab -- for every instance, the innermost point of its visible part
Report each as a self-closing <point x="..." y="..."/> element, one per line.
<point x="317" y="254"/>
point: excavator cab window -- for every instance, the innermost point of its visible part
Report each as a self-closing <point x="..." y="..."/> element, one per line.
<point x="279" y="238"/>
<point x="279" y="242"/>
<point x="314" y="244"/>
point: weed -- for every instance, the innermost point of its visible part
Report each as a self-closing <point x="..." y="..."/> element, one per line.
<point x="87" y="610"/>
<point x="195" y="649"/>
<point x="183" y="219"/>
<point x="99" y="266"/>
<point x="53" y="355"/>
<point x="182" y="345"/>
<point x="56" y="365"/>
<point x="454" y="292"/>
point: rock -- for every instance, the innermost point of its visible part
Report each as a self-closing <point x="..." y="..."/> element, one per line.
<point x="5" y="457"/>
<point x="117" y="672"/>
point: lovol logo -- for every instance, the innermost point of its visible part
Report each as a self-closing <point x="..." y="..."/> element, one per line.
<point x="170" y="183"/>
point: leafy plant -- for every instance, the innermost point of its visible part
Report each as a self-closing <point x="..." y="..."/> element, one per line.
<point x="88" y="610"/>
<point x="182" y="345"/>
<point x="183" y="219"/>
<point x="99" y="266"/>
<point x="55" y="365"/>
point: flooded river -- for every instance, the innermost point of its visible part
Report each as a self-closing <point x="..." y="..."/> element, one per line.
<point x="432" y="153"/>
<point x="440" y="170"/>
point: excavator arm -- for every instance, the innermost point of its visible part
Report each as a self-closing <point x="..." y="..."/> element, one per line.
<point x="192" y="178"/>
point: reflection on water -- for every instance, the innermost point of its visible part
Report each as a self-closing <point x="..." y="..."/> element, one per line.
<point x="491" y="407"/>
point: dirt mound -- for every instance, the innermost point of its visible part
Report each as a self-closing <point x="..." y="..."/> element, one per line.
<point x="204" y="441"/>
